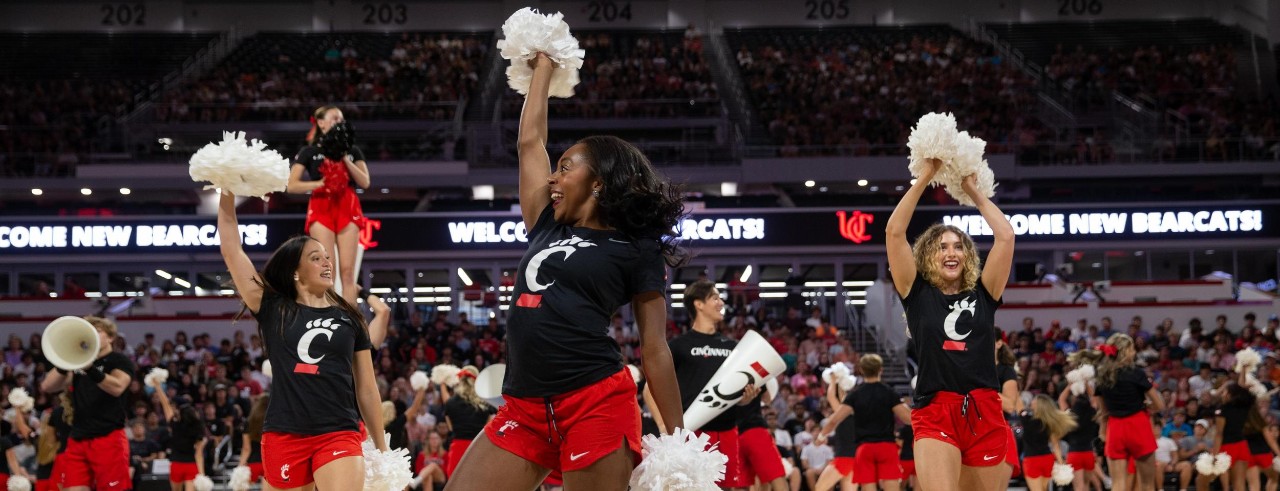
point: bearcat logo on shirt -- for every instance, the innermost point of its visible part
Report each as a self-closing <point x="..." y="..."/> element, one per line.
<point x="315" y="327"/>
<point x="949" y="325"/>
<point x="568" y="247"/>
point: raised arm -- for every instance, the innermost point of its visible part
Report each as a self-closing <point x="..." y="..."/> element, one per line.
<point x="902" y="264"/>
<point x="248" y="285"/>
<point x="535" y="165"/>
<point x="298" y="186"/>
<point x="995" y="271"/>
<point x="165" y="406"/>
<point x="651" y="318"/>
<point x="381" y="319"/>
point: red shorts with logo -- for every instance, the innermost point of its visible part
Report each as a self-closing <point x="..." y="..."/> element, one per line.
<point x="334" y="210"/>
<point x="726" y="443"/>
<point x="1011" y="452"/>
<point x="759" y="457"/>
<point x="1262" y="460"/>
<point x="1038" y="466"/>
<point x="457" y="449"/>
<point x="182" y="471"/>
<point x="290" y="461"/>
<point x="1239" y="451"/>
<point x="976" y="428"/>
<point x="101" y="463"/>
<point x="876" y="462"/>
<point x="583" y="425"/>
<point x="844" y="465"/>
<point x="1131" y="437"/>
<point x="255" y="471"/>
<point x="1082" y="461"/>
<point x="908" y="468"/>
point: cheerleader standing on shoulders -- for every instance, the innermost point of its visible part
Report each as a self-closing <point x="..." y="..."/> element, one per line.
<point x="465" y="413"/>
<point x="950" y="302"/>
<point x="873" y="405"/>
<point x="1124" y="391"/>
<point x="1042" y="429"/>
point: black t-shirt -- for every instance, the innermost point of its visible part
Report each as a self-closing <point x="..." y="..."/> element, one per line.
<point x="1235" y="415"/>
<point x="907" y="435"/>
<point x="751" y="415"/>
<point x="571" y="282"/>
<point x="872" y="405"/>
<point x="1081" y="439"/>
<point x="183" y="442"/>
<point x="955" y="339"/>
<point x="1035" y="436"/>
<point x="1128" y="395"/>
<point x="142" y="448"/>
<point x="1005" y="373"/>
<point x="311" y="158"/>
<point x="696" y="357"/>
<point x="467" y="420"/>
<point x="1257" y="444"/>
<point x="313" y="390"/>
<point x="8" y="440"/>
<point x="845" y="441"/>
<point x="97" y="412"/>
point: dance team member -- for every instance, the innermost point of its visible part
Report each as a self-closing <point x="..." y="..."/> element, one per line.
<point x="1080" y="449"/>
<point x="1124" y="392"/>
<point x="873" y="405"/>
<point x="97" y="454"/>
<point x="252" y="439"/>
<point x="1042" y="430"/>
<point x="1010" y="396"/>
<point x="465" y="413"/>
<point x="961" y="437"/>
<point x="1236" y="418"/>
<point x="599" y="230"/>
<point x="323" y="382"/>
<point x="844" y="448"/>
<point x="186" y="443"/>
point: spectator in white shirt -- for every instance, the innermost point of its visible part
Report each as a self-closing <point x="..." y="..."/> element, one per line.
<point x="814" y="459"/>
<point x="1201" y="382"/>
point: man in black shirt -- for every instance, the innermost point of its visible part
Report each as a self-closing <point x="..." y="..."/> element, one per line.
<point x="97" y="454"/>
<point x="875" y="405"/>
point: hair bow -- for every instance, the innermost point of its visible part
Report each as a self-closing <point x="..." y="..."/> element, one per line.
<point x="1108" y="350"/>
<point x="467" y="374"/>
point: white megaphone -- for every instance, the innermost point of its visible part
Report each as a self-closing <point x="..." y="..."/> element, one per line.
<point x="489" y="383"/>
<point x="753" y="361"/>
<point x="70" y="343"/>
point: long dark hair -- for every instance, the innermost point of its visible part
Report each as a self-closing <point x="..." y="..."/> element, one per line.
<point x="189" y="421"/>
<point x="257" y="416"/>
<point x="635" y="199"/>
<point x="277" y="279"/>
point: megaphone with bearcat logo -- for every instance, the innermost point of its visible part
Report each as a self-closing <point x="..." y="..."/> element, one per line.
<point x="753" y="361"/>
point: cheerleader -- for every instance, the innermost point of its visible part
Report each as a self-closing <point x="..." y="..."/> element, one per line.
<point x="186" y="445"/>
<point x="1237" y="418"/>
<point x="465" y="412"/>
<point x="1042" y="429"/>
<point x="334" y="167"/>
<point x="950" y="302"/>
<point x="1080" y="452"/>
<point x="874" y="405"/>
<point x="1264" y="448"/>
<point x="844" y="446"/>
<point x="54" y="430"/>
<point x="251" y="446"/>
<point x="1124" y="391"/>
<point x="1010" y="396"/>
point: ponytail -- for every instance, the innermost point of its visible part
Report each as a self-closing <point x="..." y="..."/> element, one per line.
<point x="316" y="116"/>
<point x="466" y="387"/>
<point x="1112" y="358"/>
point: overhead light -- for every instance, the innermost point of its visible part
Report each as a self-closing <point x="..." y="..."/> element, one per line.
<point x="37" y="191"/>
<point x="482" y="192"/>
<point x="746" y="274"/>
<point x="809" y="184"/>
<point x="874" y="188"/>
<point x="466" y="280"/>
<point x="164" y="274"/>
<point x="125" y="191"/>
<point x="728" y="189"/>
<point x="86" y="191"/>
<point x="385" y="191"/>
<point x="181" y="282"/>
<point x="862" y="182"/>
<point x="823" y="189"/>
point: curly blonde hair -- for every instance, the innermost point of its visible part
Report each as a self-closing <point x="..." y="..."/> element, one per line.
<point x="926" y="247"/>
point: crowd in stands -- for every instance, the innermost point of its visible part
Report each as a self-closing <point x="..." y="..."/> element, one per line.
<point x="859" y="91"/>
<point x="276" y="77"/>
<point x="48" y="126"/>
<point x="637" y="74"/>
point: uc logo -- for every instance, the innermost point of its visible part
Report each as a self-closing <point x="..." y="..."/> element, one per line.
<point x="854" y="226"/>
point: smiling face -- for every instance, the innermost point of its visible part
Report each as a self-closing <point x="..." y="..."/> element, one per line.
<point x="571" y="185"/>
<point x="315" y="269"/>
<point x="711" y="307"/>
<point x="947" y="258"/>
<point x="950" y="257"/>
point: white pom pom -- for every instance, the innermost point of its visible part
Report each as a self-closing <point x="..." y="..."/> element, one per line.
<point x="156" y="377"/>
<point x="19" y="483"/>
<point x="240" y="167"/>
<point x="526" y="34"/>
<point x="1088" y="372"/>
<point x="636" y="375"/>
<point x="1246" y="360"/>
<point x="446" y="375"/>
<point x="266" y="368"/>
<point x="240" y="479"/>
<point x="1204" y="465"/>
<point x="1275" y="464"/>
<point x="679" y="461"/>
<point x="847" y="383"/>
<point x="1063" y="474"/>
<point x="933" y="137"/>
<point x="787" y="467"/>
<point x="827" y="375"/>
<point x="1221" y="463"/>
<point x="1080" y="378"/>
<point x="203" y="483"/>
<point x="19" y="398"/>
<point x="419" y="380"/>
<point x="385" y="471"/>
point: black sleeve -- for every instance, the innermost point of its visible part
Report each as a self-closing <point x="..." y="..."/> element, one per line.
<point x="356" y="154"/>
<point x="363" y="342"/>
<point x="916" y="285"/>
<point x="650" y="271"/>
<point x="119" y="361"/>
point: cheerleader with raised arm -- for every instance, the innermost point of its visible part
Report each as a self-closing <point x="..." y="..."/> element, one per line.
<point x="1125" y="392"/>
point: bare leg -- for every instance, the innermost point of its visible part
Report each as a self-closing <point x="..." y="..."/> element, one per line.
<point x="938" y="466"/>
<point x="344" y="473"/>
<point x="1119" y="474"/>
<point x="476" y="470"/>
<point x="995" y="477"/>
<point x="348" y="242"/>
<point x="611" y="472"/>
<point x="1146" y="467"/>
<point x="828" y="479"/>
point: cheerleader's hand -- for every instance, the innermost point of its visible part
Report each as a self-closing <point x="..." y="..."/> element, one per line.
<point x="541" y="60"/>
<point x="970" y="184"/>
<point x="820" y="440"/>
